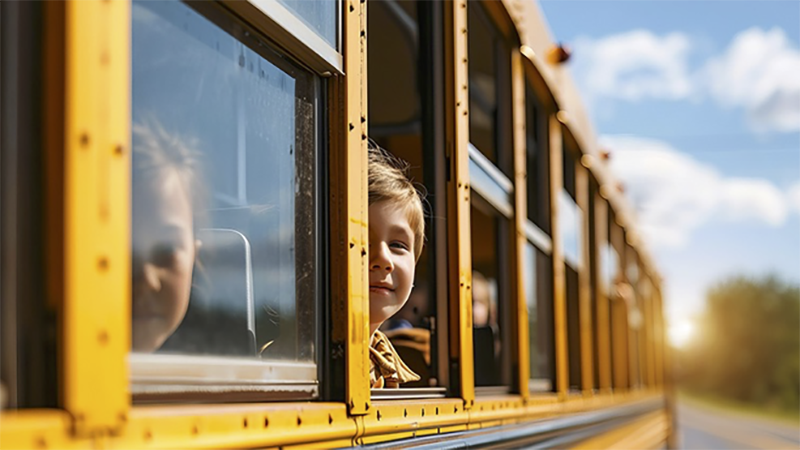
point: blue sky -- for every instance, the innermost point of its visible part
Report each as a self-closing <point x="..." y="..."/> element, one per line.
<point x="699" y="103"/>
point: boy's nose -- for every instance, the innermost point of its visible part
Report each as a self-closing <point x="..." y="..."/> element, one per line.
<point x="381" y="257"/>
<point x="145" y="276"/>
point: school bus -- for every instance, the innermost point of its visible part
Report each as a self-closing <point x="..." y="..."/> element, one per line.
<point x="536" y="320"/>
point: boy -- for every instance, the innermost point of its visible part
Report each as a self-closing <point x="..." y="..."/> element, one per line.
<point x="396" y="235"/>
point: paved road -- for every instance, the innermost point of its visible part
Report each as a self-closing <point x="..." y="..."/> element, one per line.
<point x="702" y="428"/>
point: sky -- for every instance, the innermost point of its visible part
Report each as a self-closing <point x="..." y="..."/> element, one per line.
<point x="699" y="105"/>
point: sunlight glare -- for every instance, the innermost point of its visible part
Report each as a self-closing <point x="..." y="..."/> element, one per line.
<point x="681" y="332"/>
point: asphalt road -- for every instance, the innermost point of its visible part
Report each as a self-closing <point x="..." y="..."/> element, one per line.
<point x="701" y="428"/>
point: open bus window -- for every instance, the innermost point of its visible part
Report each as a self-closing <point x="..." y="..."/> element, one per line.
<point x="224" y="189"/>
<point x="402" y="85"/>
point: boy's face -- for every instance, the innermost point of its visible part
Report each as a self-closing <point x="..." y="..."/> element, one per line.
<point x="163" y="258"/>
<point x="391" y="260"/>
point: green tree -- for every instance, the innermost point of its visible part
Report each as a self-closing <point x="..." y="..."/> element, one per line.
<point x="748" y="345"/>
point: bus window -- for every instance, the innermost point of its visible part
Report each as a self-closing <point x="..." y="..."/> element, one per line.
<point x="635" y="316"/>
<point x="489" y="89"/>
<point x="402" y="83"/>
<point x="538" y="250"/>
<point x="538" y="161"/>
<point x="490" y="294"/>
<point x="648" y="326"/>
<point x="571" y="225"/>
<point x="539" y="296"/>
<point x="320" y="15"/>
<point x="8" y="156"/>
<point x="620" y="294"/>
<point x="224" y="188"/>
<point x="593" y="278"/>
<point x="28" y="328"/>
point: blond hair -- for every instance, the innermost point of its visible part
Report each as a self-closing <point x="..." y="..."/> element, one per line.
<point x="157" y="152"/>
<point x="388" y="180"/>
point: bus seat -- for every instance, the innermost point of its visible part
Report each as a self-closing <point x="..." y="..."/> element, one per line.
<point x="413" y="345"/>
<point x="485" y="359"/>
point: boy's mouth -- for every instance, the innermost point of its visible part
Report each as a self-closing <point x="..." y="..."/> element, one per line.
<point x="380" y="289"/>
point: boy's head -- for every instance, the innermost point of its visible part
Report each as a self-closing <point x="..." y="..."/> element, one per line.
<point x="165" y="198"/>
<point x="396" y="234"/>
<point x="388" y="180"/>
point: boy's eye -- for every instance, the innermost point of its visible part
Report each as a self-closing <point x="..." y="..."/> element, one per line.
<point x="164" y="253"/>
<point x="400" y="245"/>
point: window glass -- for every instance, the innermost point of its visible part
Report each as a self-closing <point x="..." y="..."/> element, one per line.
<point x="570" y="216"/>
<point x="489" y="89"/>
<point x="573" y="327"/>
<point x="594" y="275"/>
<point x="224" y="144"/>
<point x="635" y="316"/>
<point x="570" y="220"/>
<point x="618" y="317"/>
<point x="538" y="162"/>
<point x="490" y="285"/>
<point x="538" y="295"/>
<point x="610" y="259"/>
<point x="320" y="15"/>
<point x="7" y="331"/>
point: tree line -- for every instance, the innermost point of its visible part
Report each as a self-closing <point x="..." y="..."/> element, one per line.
<point x="747" y="345"/>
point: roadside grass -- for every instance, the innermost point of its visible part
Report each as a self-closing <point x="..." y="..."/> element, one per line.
<point x="721" y="404"/>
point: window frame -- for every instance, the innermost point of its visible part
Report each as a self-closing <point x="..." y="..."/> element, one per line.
<point x="8" y="203"/>
<point x="292" y="34"/>
<point x="503" y="121"/>
<point x="537" y="224"/>
<point x="600" y="287"/>
<point x="164" y="377"/>
<point x="500" y="187"/>
<point x="434" y="177"/>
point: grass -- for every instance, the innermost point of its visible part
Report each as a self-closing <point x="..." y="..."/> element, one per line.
<point x="722" y="404"/>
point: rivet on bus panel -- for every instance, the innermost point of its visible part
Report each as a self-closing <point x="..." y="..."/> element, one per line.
<point x="102" y="337"/>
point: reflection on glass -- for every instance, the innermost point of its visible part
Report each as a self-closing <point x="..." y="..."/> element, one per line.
<point x="166" y="181"/>
<point x="537" y="300"/>
<point x="610" y="261"/>
<point x="570" y="220"/>
<point x="223" y="203"/>
<point x="483" y="76"/>
<point x="487" y="280"/>
<point x="537" y="161"/>
<point x="319" y="15"/>
<point x="490" y="189"/>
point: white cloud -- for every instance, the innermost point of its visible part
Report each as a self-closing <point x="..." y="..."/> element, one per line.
<point x="634" y="65"/>
<point x="758" y="72"/>
<point x="793" y="197"/>
<point x="674" y="194"/>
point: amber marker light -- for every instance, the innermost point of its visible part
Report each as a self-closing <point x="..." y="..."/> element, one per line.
<point x="558" y="54"/>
